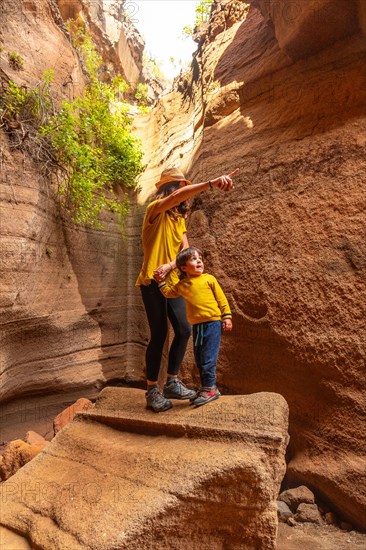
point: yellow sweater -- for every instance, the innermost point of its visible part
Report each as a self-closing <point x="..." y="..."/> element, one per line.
<point x="161" y="241"/>
<point x="204" y="298"/>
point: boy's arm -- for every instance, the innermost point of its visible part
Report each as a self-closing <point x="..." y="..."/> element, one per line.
<point x="169" y="291"/>
<point x="223" y="304"/>
<point x="221" y="299"/>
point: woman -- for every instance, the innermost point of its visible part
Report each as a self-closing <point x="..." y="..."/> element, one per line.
<point x="163" y="236"/>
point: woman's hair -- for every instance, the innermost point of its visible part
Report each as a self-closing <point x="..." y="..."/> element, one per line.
<point x="183" y="256"/>
<point x="166" y="190"/>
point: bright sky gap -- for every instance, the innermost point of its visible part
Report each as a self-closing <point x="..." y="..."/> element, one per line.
<point x="160" y="22"/>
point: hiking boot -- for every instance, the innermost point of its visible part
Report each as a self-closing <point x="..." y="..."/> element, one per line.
<point x="156" y="401"/>
<point x="205" y="395"/>
<point x="175" y="389"/>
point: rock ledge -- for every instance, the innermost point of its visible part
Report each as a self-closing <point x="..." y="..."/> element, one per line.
<point x="119" y="476"/>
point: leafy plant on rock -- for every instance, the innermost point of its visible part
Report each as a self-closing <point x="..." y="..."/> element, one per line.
<point x="202" y="14"/>
<point x="141" y="96"/>
<point x="16" y="61"/>
<point x="87" y="145"/>
<point x="23" y="111"/>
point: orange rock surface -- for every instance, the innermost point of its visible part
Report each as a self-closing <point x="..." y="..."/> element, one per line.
<point x="120" y="476"/>
<point x="67" y="416"/>
<point x="17" y="454"/>
<point x="286" y="104"/>
<point x="64" y="314"/>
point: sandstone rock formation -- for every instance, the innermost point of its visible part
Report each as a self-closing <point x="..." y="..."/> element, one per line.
<point x="296" y="24"/>
<point x="68" y="415"/>
<point x="34" y="31"/>
<point x="285" y="101"/>
<point x="17" y="454"/>
<point x="123" y="477"/>
<point x="64" y="313"/>
<point x="127" y="42"/>
<point x="119" y="41"/>
<point x="283" y="98"/>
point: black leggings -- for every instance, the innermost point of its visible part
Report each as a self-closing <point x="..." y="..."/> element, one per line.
<point x="158" y="310"/>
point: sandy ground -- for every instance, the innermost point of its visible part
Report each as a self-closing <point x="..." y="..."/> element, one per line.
<point x="310" y="537"/>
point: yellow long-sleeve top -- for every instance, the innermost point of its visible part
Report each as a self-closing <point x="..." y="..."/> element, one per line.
<point x="161" y="240"/>
<point x="205" y="299"/>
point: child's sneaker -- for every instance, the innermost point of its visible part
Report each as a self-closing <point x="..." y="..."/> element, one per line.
<point x="205" y="395"/>
<point x="175" y="389"/>
<point x="156" y="401"/>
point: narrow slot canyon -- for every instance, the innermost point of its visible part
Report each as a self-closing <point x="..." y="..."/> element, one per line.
<point x="276" y="88"/>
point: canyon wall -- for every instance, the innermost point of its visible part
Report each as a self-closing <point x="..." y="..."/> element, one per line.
<point x="65" y="321"/>
<point x="279" y="90"/>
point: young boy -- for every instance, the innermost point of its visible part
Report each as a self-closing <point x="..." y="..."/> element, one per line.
<point x="209" y="313"/>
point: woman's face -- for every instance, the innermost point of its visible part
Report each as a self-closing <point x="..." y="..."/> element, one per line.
<point x="170" y="187"/>
<point x="182" y="208"/>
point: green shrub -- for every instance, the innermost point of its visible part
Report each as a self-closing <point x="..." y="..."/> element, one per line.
<point x="202" y="14"/>
<point x="16" y="61"/>
<point x="141" y="97"/>
<point x="141" y="93"/>
<point x="87" y="145"/>
<point x="93" y="142"/>
<point x="30" y="106"/>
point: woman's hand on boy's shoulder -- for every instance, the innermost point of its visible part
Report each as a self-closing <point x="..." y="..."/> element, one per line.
<point x="227" y="324"/>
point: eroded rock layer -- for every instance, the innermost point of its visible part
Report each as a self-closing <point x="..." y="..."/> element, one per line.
<point x="284" y="100"/>
<point x="64" y="313"/>
<point x="278" y="89"/>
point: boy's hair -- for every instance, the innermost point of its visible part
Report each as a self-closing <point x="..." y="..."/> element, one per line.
<point x="183" y="256"/>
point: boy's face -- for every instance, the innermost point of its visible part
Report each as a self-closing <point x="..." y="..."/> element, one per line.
<point x="194" y="266"/>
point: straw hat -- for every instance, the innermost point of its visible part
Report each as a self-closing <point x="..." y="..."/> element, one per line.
<point x="172" y="174"/>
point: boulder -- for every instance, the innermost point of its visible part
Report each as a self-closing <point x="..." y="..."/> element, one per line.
<point x="68" y="414"/>
<point x="308" y="513"/>
<point x="120" y="476"/>
<point x="17" y="453"/>
<point x="35" y="439"/>
<point x="294" y="497"/>
<point x="283" y="511"/>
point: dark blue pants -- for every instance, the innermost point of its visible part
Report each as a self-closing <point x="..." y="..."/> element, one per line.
<point x="158" y="310"/>
<point x="206" y="343"/>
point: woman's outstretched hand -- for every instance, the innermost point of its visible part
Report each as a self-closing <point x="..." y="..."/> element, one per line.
<point x="225" y="183"/>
